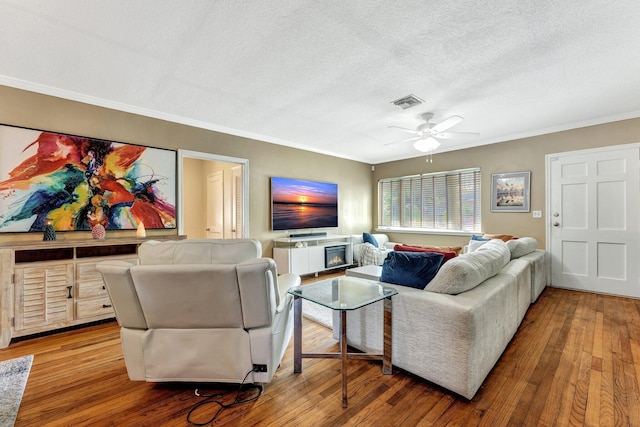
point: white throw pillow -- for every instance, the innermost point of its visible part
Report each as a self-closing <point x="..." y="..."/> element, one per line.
<point x="467" y="271"/>
<point x="475" y="244"/>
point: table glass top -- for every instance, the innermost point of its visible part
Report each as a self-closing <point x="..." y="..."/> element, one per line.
<point x="343" y="293"/>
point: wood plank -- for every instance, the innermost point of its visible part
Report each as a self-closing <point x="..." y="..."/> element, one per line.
<point x="581" y="350"/>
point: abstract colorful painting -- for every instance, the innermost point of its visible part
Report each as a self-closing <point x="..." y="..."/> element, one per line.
<point x="78" y="182"/>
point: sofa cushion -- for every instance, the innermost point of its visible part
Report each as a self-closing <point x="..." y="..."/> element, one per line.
<point x="413" y="269"/>
<point x="522" y="246"/>
<point x="199" y="251"/>
<point x="469" y="270"/>
<point x="368" y="238"/>
<point x="475" y="244"/>
<point x="404" y="248"/>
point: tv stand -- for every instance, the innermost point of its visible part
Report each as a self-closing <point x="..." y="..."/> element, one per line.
<point x="306" y="255"/>
<point x="54" y="284"/>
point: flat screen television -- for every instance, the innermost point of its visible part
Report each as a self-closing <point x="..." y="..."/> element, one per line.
<point x="77" y="182"/>
<point x="300" y="204"/>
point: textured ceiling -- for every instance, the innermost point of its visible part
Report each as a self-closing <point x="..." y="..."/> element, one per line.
<point x="321" y="75"/>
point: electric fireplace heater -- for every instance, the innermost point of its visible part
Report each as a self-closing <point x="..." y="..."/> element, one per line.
<point x="335" y="256"/>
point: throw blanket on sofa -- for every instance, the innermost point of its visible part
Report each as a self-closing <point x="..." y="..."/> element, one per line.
<point x="370" y="255"/>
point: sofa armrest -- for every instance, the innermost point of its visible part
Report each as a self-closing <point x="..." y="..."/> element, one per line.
<point x="391" y="245"/>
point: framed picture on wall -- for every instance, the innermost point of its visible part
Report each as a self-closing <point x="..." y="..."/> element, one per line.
<point x="510" y="192"/>
<point x="76" y="182"/>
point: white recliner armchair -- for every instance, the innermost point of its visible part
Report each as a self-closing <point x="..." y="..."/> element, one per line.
<point x="201" y="311"/>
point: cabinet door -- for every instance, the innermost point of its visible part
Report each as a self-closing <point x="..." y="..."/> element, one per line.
<point x="299" y="260"/>
<point x="281" y="258"/>
<point x="43" y="296"/>
<point x="316" y="259"/>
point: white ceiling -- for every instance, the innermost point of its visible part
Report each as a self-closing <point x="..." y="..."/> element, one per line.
<point x="321" y="75"/>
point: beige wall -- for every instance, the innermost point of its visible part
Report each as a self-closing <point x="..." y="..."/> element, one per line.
<point x="357" y="184"/>
<point x="513" y="156"/>
<point x="22" y="108"/>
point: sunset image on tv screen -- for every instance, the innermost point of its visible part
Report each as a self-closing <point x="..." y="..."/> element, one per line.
<point x="297" y="204"/>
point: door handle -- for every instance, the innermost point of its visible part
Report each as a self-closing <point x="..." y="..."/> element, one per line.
<point x="556" y="223"/>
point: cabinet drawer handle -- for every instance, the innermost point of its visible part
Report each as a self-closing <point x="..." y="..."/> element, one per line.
<point x="106" y="305"/>
<point x="69" y="290"/>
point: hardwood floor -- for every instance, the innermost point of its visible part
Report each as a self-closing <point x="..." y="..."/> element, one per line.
<point x="574" y="361"/>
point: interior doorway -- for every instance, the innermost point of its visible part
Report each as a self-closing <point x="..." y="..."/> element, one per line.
<point x="212" y="195"/>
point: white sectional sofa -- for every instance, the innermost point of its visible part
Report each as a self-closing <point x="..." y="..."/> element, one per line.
<point x="454" y="331"/>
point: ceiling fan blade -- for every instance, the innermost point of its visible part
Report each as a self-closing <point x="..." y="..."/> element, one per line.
<point x="446" y="124"/>
<point x="413" y="138"/>
<point x="456" y="135"/>
<point x="404" y="129"/>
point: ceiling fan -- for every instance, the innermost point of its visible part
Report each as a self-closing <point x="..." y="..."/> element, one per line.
<point x="427" y="134"/>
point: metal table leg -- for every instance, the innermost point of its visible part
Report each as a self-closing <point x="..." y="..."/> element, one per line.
<point x="388" y="339"/>
<point x="343" y="354"/>
<point x="297" y="334"/>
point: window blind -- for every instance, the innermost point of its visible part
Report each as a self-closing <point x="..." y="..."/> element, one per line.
<point x="435" y="201"/>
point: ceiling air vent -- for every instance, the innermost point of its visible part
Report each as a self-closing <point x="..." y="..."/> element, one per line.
<point x="407" y="101"/>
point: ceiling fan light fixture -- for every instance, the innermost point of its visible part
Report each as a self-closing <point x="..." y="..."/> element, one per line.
<point x="425" y="145"/>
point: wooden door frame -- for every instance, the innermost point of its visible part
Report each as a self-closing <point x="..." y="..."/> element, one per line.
<point x="182" y="154"/>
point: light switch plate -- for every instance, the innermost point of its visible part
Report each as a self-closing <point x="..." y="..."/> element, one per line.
<point x="537" y="214"/>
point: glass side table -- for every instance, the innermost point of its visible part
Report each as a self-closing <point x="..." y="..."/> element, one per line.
<point x="342" y="294"/>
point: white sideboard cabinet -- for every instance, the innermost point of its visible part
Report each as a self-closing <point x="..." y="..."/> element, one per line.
<point x="54" y="284"/>
<point x="312" y="254"/>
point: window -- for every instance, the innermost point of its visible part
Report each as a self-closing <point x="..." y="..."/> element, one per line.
<point x="435" y="201"/>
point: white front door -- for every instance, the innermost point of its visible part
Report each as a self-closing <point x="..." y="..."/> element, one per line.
<point x="594" y="220"/>
<point x="215" y="206"/>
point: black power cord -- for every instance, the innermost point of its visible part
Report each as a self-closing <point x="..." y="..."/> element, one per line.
<point x="213" y="399"/>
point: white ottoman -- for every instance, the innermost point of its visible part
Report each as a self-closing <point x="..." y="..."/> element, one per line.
<point x="370" y="272"/>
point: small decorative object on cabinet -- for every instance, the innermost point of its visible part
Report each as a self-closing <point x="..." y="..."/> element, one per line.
<point x="49" y="232"/>
<point x="98" y="232"/>
<point x="141" y="232"/>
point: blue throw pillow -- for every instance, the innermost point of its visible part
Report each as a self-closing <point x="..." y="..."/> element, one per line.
<point x="368" y="238"/>
<point x="479" y="238"/>
<point x="414" y="269"/>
